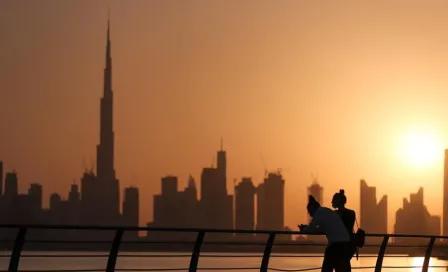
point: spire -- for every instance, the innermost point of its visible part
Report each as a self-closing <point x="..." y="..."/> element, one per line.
<point x="108" y="68"/>
<point x="108" y="25"/>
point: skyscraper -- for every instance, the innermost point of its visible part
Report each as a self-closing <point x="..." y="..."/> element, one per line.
<point x="131" y="210"/>
<point x="445" y="196"/>
<point x="1" y="178"/>
<point x="11" y="186"/>
<point x="222" y="169"/>
<point x="245" y="204"/>
<point x="413" y="218"/>
<point x="35" y="195"/>
<point x="271" y="202"/>
<point x="373" y="213"/>
<point x="105" y="149"/>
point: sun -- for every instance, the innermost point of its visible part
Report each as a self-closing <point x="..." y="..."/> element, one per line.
<point x="421" y="149"/>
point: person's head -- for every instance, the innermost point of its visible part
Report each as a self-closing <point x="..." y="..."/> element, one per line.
<point x="339" y="200"/>
<point x="312" y="206"/>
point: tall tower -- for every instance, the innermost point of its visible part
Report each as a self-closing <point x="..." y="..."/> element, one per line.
<point x="1" y="179"/>
<point x="222" y="168"/>
<point x="105" y="149"/>
<point x="445" y="196"/>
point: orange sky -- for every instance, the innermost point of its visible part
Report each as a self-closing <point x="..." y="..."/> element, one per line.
<point x="315" y="86"/>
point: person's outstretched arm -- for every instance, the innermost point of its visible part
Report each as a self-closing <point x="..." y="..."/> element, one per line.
<point x="312" y="227"/>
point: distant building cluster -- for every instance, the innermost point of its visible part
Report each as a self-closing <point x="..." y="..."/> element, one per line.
<point x="216" y="208"/>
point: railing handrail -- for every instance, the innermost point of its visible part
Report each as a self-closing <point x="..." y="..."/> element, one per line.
<point x="196" y="230"/>
<point x="200" y="232"/>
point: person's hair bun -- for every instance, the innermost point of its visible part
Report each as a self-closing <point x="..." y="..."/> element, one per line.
<point x="342" y="192"/>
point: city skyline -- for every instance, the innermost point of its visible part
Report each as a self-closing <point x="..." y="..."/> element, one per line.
<point x="148" y="148"/>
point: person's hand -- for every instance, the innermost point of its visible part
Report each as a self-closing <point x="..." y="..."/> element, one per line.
<point x="302" y="227"/>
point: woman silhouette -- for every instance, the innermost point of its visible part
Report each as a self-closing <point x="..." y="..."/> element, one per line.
<point x="348" y="216"/>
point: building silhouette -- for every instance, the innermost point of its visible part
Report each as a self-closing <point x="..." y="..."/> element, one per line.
<point x="445" y="196"/>
<point x="173" y="208"/>
<point x="271" y="202"/>
<point x="215" y="204"/>
<point x="414" y="218"/>
<point x="1" y="178"/>
<point x="131" y="210"/>
<point x="109" y="207"/>
<point x="245" y="205"/>
<point x="166" y="205"/>
<point x="35" y="195"/>
<point x="11" y="187"/>
<point x="373" y="214"/>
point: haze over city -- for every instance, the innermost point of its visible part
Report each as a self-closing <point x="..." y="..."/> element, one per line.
<point x="345" y="91"/>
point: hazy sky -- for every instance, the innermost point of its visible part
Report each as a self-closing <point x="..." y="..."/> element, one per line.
<point x="327" y="87"/>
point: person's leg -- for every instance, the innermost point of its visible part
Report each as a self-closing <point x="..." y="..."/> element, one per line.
<point x="328" y="262"/>
<point x="342" y="263"/>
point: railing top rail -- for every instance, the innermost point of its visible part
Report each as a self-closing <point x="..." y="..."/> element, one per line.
<point x="195" y="230"/>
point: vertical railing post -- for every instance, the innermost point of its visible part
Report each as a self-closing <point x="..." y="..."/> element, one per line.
<point x="17" y="250"/>
<point x="428" y="254"/>
<point x="379" y="260"/>
<point x="267" y="253"/>
<point x="196" y="252"/>
<point x="112" y="261"/>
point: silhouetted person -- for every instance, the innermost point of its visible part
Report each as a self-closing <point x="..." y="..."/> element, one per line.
<point x="325" y="220"/>
<point x="348" y="217"/>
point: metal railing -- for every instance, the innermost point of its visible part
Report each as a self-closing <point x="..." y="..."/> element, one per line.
<point x="119" y="232"/>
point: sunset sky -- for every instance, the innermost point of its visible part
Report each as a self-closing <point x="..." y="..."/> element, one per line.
<point x="342" y="89"/>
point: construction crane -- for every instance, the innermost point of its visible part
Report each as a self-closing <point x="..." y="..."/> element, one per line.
<point x="264" y="165"/>
<point x="314" y="178"/>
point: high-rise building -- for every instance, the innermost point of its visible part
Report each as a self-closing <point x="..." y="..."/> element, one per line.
<point x="166" y="204"/>
<point x="74" y="196"/>
<point x="245" y="204"/>
<point x="169" y="185"/>
<point x="216" y="206"/>
<point x="1" y="178"/>
<point x="11" y="186"/>
<point x="222" y="169"/>
<point x="131" y="210"/>
<point x="89" y="197"/>
<point x="110" y="203"/>
<point x="445" y="196"/>
<point x="100" y="193"/>
<point x="373" y="215"/>
<point x="260" y="206"/>
<point x="74" y="206"/>
<point x="271" y="202"/>
<point x="35" y="195"/>
<point x="173" y="208"/>
<point x="414" y="218"/>
<point x="55" y="201"/>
